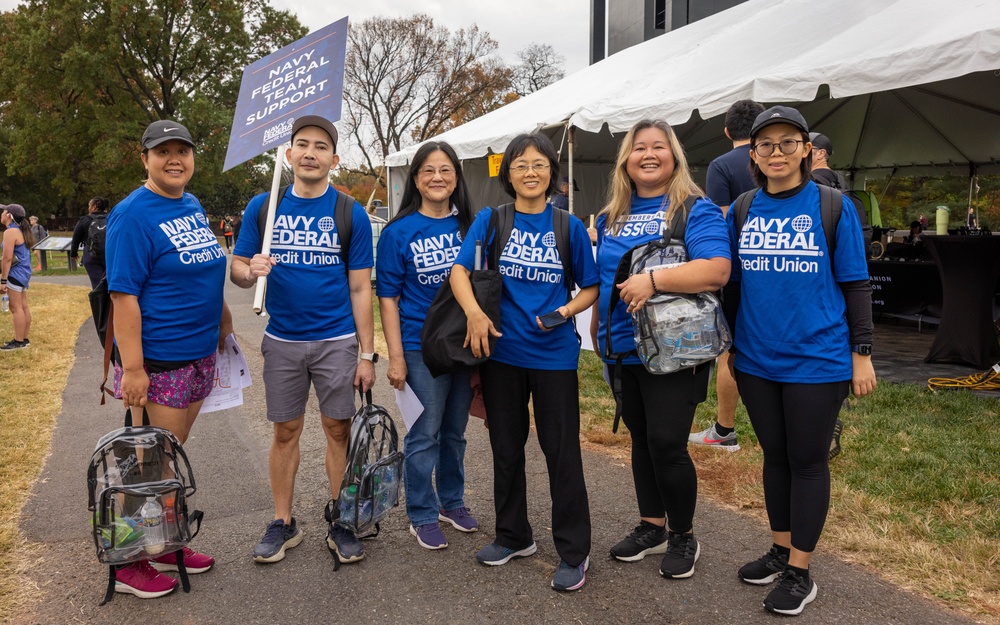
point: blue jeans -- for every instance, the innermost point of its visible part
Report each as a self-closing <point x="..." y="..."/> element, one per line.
<point x="436" y="442"/>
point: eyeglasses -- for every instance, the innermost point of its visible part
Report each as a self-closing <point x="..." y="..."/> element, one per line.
<point x="538" y="168"/>
<point x="787" y="146"/>
<point x="444" y="172"/>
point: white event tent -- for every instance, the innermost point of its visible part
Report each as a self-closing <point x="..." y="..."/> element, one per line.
<point x="898" y="85"/>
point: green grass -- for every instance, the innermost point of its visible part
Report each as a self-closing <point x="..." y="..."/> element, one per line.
<point x="915" y="492"/>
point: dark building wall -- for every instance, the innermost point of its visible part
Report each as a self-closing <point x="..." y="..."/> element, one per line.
<point x="627" y="22"/>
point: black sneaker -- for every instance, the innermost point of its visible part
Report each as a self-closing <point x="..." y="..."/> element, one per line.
<point x="345" y="543"/>
<point x="276" y="539"/>
<point x="12" y="345"/>
<point x="682" y="553"/>
<point x="644" y="540"/>
<point x="791" y="595"/>
<point x="765" y="569"/>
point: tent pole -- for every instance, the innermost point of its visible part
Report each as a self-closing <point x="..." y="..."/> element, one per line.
<point x="569" y="187"/>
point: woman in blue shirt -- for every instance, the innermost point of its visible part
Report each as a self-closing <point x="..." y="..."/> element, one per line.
<point x="415" y="254"/>
<point x="802" y="337"/>
<point x="532" y="363"/>
<point x="166" y="273"/>
<point x="650" y="183"/>
<point x="15" y="271"/>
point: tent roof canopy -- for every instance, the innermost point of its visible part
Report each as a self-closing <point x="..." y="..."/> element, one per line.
<point x="905" y="84"/>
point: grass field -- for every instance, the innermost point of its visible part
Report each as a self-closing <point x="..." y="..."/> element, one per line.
<point x="916" y="491"/>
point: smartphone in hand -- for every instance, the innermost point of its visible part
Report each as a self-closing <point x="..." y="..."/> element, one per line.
<point x="552" y="319"/>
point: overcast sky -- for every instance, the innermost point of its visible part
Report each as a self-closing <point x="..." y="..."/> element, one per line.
<point x="563" y="24"/>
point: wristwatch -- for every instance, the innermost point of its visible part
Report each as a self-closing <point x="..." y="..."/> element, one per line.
<point x="373" y="357"/>
<point x="865" y="349"/>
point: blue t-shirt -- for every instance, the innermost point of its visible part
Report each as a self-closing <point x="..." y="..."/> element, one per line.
<point x="728" y="176"/>
<point x="415" y="255"/>
<point x="533" y="285"/>
<point x="792" y="320"/>
<point x="20" y="268"/>
<point x="705" y="236"/>
<point x="308" y="296"/>
<point x="163" y="251"/>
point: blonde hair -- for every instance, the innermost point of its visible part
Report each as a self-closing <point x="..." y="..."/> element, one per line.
<point x="620" y="189"/>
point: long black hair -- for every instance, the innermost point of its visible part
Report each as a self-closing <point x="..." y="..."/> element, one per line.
<point x="459" y="197"/>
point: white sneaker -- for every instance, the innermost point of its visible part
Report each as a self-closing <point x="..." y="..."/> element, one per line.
<point x="711" y="438"/>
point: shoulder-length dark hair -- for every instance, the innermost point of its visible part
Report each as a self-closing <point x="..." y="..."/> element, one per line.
<point x="459" y="197"/>
<point x="517" y="147"/>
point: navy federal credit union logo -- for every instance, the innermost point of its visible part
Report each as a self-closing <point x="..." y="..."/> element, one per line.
<point x="780" y="244"/>
<point x="434" y="256"/>
<point x="193" y="239"/>
<point x="532" y="256"/>
<point x="305" y="240"/>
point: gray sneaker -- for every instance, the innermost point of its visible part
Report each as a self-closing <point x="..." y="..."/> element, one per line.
<point x="495" y="555"/>
<point x="345" y="543"/>
<point x="711" y="438"/>
<point x="276" y="539"/>
<point x="567" y="578"/>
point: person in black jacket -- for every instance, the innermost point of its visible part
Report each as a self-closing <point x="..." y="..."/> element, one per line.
<point x="97" y="208"/>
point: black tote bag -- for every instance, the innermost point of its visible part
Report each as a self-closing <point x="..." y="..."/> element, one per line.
<point x="445" y="325"/>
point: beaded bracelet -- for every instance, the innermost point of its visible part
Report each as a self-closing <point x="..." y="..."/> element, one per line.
<point x="652" y="281"/>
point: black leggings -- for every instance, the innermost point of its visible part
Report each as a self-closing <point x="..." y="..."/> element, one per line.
<point x="659" y="410"/>
<point x="794" y="425"/>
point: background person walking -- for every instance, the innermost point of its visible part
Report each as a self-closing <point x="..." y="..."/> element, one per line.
<point x="15" y="271"/>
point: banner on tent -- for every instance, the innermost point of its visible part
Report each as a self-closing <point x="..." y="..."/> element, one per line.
<point x="303" y="78"/>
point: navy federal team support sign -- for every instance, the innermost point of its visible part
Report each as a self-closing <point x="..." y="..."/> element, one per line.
<point x="303" y="78"/>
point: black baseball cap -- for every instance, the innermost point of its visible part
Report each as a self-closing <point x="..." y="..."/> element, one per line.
<point x="165" y="130"/>
<point x="779" y="115"/>
<point x="821" y="142"/>
<point x="320" y="122"/>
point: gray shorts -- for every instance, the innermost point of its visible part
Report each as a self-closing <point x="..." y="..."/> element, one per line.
<point x="290" y="367"/>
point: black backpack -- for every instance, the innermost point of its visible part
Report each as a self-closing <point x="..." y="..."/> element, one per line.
<point x="342" y="214"/>
<point x="139" y="489"/>
<point x="97" y="233"/>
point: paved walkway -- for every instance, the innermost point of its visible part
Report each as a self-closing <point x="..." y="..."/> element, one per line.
<point x="398" y="582"/>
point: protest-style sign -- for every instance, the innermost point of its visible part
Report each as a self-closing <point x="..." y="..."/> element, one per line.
<point x="303" y="78"/>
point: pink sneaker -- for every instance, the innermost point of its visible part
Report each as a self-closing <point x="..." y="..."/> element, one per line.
<point x="194" y="562"/>
<point x="143" y="581"/>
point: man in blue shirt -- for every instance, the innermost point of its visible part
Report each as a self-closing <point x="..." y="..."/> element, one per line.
<point x="320" y="307"/>
<point x="727" y="178"/>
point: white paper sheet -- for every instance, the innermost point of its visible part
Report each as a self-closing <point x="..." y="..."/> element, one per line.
<point x="232" y="375"/>
<point x="409" y="406"/>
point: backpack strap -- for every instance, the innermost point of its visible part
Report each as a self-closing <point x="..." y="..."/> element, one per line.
<point x="831" y="205"/>
<point x="182" y="570"/>
<point x="109" y="594"/>
<point x="343" y="214"/>
<point x="742" y="208"/>
<point x="109" y="348"/>
<point x="560" y="224"/>
<point x="504" y="225"/>
<point x="262" y="213"/>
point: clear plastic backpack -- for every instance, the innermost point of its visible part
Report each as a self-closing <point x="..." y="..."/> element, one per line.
<point x="140" y="488"/>
<point x="373" y="477"/>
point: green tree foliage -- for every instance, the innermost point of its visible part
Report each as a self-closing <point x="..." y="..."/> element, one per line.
<point x="80" y="80"/>
<point x="903" y="200"/>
